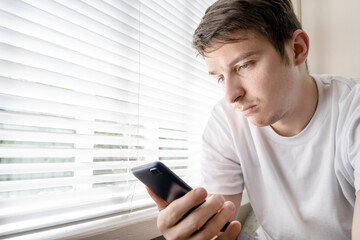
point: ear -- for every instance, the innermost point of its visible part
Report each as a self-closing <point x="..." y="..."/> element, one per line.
<point x="300" y="45"/>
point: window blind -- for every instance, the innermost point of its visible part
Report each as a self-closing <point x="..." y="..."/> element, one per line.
<point x="88" y="90"/>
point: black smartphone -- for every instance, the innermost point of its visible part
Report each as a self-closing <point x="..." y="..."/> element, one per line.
<point x="165" y="183"/>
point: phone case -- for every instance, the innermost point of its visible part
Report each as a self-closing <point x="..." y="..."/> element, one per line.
<point x="161" y="180"/>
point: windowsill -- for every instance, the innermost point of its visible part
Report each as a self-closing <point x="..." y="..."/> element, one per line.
<point x="140" y="225"/>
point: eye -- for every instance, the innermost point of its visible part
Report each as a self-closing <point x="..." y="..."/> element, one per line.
<point x="221" y="79"/>
<point x="242" y="67"/>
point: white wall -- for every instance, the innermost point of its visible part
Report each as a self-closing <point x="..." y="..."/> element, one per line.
<point x="334" y="30"/>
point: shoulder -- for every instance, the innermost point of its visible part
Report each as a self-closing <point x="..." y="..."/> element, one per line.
<point x="225" y="126"/>
<point x="226" y="118"/>
<point x="338" y="86"/>
<point x="343" y="95"/>
<point x="222" y="107"/>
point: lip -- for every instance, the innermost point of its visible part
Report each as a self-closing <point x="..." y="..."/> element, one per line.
<point x="248" y="110"/>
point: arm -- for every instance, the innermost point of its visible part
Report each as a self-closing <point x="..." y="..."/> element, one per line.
<point x="236" y="199"/>
<point x="356" y="219"/>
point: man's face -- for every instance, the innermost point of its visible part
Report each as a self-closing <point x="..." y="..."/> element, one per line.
<point x="256" y="80"/>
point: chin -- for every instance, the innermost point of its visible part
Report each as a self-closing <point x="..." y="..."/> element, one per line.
<point x="264" y="121"/>
<point x="259" y="122"/>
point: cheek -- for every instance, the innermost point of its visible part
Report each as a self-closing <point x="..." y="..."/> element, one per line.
<point x="269" y="83"/>
<point x="279" y="81"/>
<point x="263" y="86"/>
<point x="273" y="92"/>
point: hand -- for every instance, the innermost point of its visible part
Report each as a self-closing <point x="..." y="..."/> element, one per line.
<point x="195" y="225"/>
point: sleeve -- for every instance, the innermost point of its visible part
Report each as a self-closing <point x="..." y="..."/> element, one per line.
<point x="220" y="167"/>
<point x="354" y="147"/>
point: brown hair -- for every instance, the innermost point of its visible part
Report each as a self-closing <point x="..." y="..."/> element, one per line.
<point x="273" y="19"/>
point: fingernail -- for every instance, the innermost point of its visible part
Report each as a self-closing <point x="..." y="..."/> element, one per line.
<point x="230" y="205"/>
<point x="220" y="198"/>
<point x="200" y="192"/>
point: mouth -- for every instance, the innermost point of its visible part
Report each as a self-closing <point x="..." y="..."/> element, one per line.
<point x="248" y="110"/>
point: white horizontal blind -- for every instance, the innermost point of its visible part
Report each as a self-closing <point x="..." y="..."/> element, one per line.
<point x="88" y="90"/>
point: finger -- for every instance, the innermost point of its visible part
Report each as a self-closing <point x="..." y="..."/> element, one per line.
<point x="161" y="203"/>
<point x="195" y="221"/>
<point x="216" y="223"/>
<point x="232" y="231"/>
<point x="171" y="215"/>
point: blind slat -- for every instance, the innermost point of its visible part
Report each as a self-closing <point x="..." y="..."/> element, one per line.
<point x="128" y="104"/>
<point x="73" y="138"/>
<point x="20" y="168"/>
<point x="47" y="152"/>
<point x="149" y="91"/>
<point x="17" y="185"/>
<point x="62" y="182"/>
<point x="101" y="128"/>
<point x="28" y="105"/>
<point x="60" y="46"/>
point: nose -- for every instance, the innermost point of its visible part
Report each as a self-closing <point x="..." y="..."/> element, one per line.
<point x="233" y="88"/>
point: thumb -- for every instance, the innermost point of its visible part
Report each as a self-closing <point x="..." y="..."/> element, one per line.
<point x="161" y="203"/>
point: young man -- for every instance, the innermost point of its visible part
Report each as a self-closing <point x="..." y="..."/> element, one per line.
<point x="293" y="140"/>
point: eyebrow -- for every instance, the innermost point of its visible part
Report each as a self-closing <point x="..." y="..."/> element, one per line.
<point x="238" y="59"/>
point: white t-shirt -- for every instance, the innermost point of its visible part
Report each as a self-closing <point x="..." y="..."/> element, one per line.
<point x="300" y="187"/>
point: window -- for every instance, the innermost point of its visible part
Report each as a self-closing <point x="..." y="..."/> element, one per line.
<point x="88" y="90"/>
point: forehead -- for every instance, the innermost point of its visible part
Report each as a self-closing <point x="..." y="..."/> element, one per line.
<point x="239" y="36"/>
<point x="248" y="44"/>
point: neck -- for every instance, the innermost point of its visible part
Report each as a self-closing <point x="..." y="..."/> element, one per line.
<point x="301" y="112"/>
